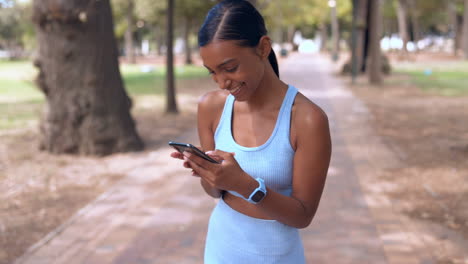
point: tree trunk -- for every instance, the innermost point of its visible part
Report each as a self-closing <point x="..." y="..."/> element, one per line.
<point x="361" y="26"/>
<point x="375" y="57"/>
<point x="402" y="23"/>
<point x="87" y="109"/>
<point x="335" y="34"/>
<point x="452" y="10"/>
<point x="465" y="31"/>
<point x="171" y="104"/>
<point x="188" y="50"/>
<point x="323" y="37"/>
<point x="129" y="46"/>
<point x="159" y="38"/>
<point x="416" y="29"/>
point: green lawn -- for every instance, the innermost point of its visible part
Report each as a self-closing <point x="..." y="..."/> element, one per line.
<point x="20" y="100"/>
<point x="444" y="78"/>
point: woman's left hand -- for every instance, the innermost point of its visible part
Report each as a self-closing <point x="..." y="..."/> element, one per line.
<point x="227" y="175"/>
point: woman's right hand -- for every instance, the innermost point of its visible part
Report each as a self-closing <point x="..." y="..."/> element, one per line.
<point x="178" y="155"/>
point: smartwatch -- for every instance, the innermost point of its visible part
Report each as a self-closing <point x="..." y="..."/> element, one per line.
<point x="258" y="194"/>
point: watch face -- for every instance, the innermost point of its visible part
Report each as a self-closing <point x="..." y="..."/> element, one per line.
<point x="258" y="196"/>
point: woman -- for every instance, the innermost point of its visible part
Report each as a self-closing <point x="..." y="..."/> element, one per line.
<point x="273" y="142"/>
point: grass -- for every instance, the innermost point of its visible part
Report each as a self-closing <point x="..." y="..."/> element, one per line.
<point x="443" y="78"/>
<point x="21" y="100"/>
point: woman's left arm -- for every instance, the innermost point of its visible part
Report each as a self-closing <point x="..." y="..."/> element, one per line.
<point x="311" y="162"/>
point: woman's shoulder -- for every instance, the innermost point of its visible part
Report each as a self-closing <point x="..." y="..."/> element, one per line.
<point x="308" y="116"/>
<point x="213" y="100"/>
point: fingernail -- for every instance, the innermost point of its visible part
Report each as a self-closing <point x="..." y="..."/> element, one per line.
<point x="209" y="152"/>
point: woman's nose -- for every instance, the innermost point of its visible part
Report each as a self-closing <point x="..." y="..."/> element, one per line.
<point x="222" y="82"/>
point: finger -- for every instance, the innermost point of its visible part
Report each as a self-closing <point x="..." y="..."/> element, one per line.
<point x="187" y="165"/>
<point x="195" y="174"/>
<point x="214" y="156"/>
<point x="198" y="160"/>
<point x="197" y="168"/>
<point x="177" y="155"/>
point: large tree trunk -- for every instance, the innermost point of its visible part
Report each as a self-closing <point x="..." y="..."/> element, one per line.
<point x="171" y="104"/>
<point x="87" y="108"/>
<point x="375" y="57"/>
<point x="465" y="31"/>
<point x="402" y="12"/>
<point x="129" y="46"/>
<point x="188" y="50"/>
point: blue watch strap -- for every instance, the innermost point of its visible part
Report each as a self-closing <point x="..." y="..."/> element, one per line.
<point x="259" y="193"/>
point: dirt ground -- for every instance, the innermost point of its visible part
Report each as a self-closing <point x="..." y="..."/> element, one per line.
<point x="429" y="135"/>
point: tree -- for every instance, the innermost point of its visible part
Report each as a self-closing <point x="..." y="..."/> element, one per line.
<point x="171" y="104"/>
<point x="402" y="14"/>
<point x="191" y="14"/>
<point x="87" y="108"/>
<point x="15" y="31"/>
<point x="465" y="31"/>
<point x="335" y="30"/>
<point x="129" y="43"/>
<point x="375" y="55"/>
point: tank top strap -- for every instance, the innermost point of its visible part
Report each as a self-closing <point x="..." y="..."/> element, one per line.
<point x="224" y="124"/>
<point x="284" y="117"/>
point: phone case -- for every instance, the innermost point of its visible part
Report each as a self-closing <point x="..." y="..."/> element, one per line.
<point x="181" y="147"/>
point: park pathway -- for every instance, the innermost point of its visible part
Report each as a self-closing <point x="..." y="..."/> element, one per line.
<point x="158" y="213"/>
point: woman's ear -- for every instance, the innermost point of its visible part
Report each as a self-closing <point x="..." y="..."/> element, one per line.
<point x="264" y="47"/>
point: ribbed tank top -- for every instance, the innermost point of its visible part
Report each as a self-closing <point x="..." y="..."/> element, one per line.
<point x="272" y="161"/>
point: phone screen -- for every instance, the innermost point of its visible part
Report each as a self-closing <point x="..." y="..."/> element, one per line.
<point x="181" y="147"/>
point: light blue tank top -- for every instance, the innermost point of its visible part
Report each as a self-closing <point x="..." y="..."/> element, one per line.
<point x="272" y="161"/>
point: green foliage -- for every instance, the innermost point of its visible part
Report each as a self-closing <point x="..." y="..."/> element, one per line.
<point x="431" y="14"/>
<point x="16" y="29"/>
<point x="303" y="14"/>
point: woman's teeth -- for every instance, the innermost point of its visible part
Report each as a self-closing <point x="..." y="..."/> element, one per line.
<point x="235" y="90"/>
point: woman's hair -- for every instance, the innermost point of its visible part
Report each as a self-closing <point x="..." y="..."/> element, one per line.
<point x="235" y="20"/>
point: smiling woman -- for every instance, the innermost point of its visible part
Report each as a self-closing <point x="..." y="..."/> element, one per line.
<point x="273" y="142"/>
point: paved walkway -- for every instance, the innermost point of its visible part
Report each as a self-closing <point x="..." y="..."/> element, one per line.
<point x="158" y="213"/>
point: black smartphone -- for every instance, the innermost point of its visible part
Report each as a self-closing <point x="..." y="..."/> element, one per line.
<point x="181" y="147"/>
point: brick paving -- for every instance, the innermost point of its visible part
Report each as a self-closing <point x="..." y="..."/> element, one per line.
<point x="158" y="213"/>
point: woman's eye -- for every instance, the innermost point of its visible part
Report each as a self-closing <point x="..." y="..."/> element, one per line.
<point x="232" y="69"/>
<point x="210" y="72"/>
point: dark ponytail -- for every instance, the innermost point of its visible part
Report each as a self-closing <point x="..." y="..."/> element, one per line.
<point x="273" y="62"/>
<point x="235" y="20"/>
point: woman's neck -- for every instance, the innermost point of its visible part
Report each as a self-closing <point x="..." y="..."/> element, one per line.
<point x="269" y="93"/>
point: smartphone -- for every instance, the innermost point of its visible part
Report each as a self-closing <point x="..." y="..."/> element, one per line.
<point x="181" y="147"/>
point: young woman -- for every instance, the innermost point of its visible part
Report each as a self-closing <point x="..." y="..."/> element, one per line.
<point x="273" y="143"/>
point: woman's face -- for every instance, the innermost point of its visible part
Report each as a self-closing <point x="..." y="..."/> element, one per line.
<point x="234" y="68"/>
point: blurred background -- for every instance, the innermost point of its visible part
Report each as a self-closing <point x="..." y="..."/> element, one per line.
<point x="86" y="81"/>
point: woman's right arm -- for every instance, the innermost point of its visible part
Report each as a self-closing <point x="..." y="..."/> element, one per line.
<point x="210" y="108"/>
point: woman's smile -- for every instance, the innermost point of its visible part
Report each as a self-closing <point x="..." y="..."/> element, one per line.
<point x="235" y="91"/>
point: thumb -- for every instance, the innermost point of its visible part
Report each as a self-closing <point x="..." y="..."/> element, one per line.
<point x="225" y="155"/>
